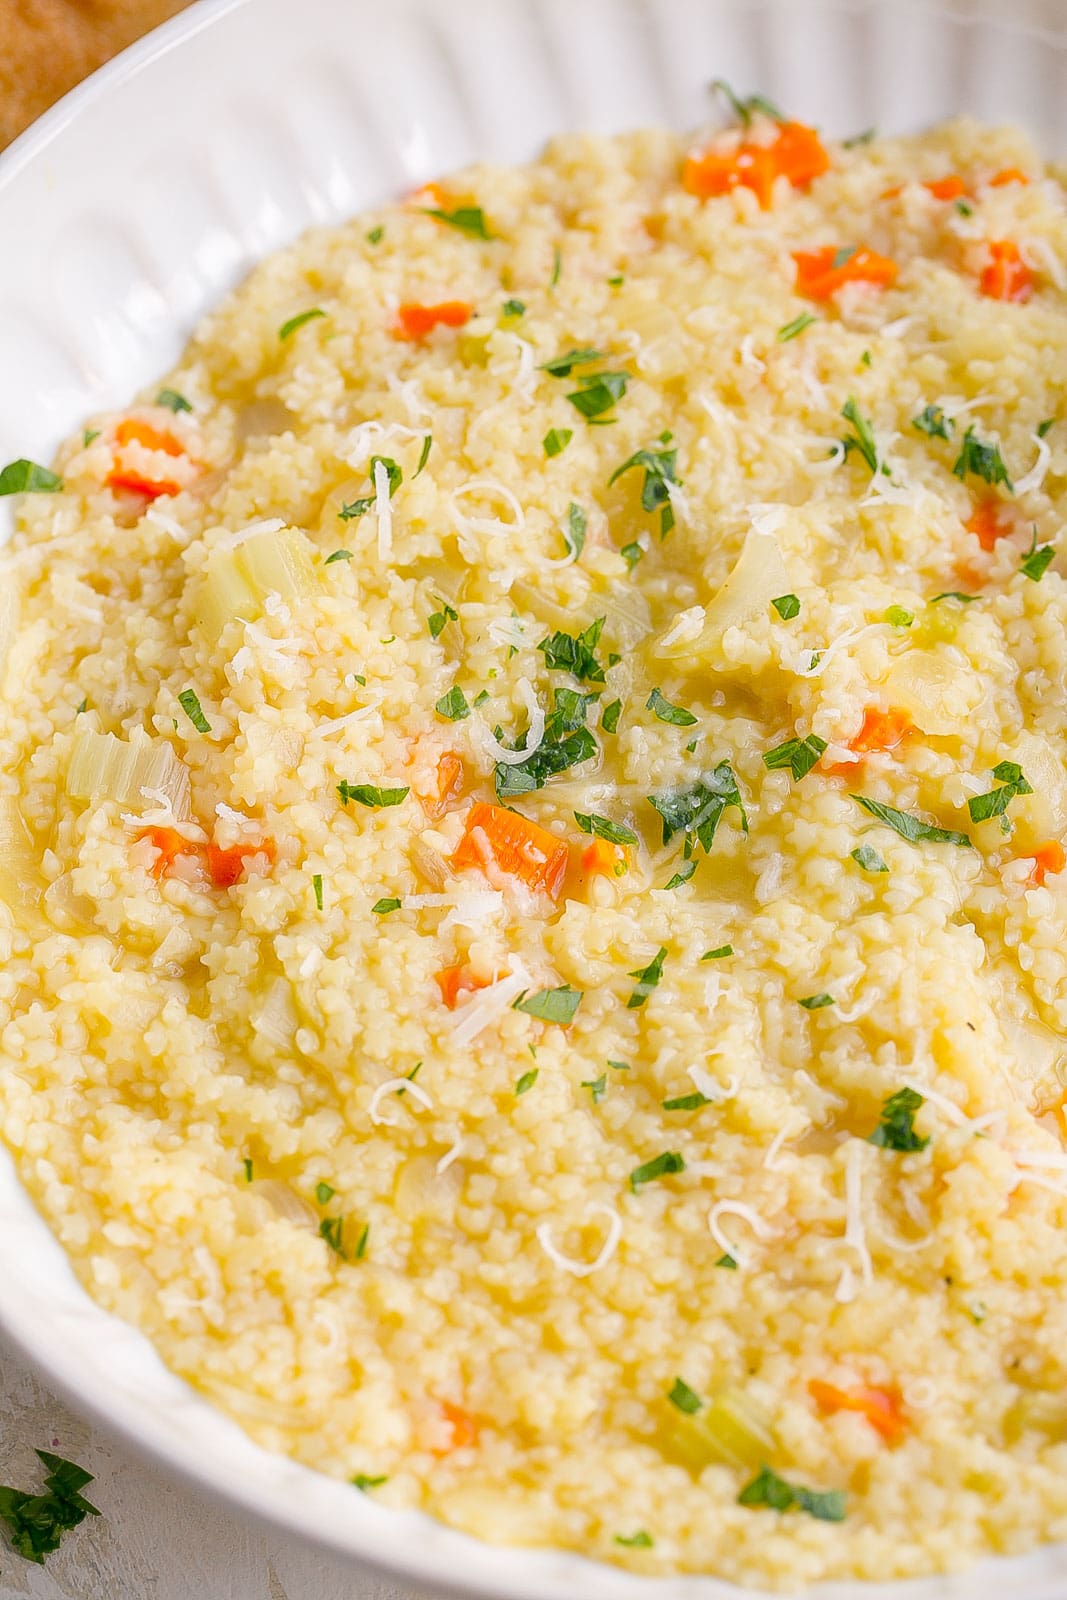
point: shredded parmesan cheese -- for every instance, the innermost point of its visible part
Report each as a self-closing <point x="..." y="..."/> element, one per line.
<point x="745" y="1213"/>
<point x="230" y="541"/>
<point x="383" y="510"/>
<point x="390" y="1086"/>
<point x="583" y="1269"/>
<point x="486" y="1006"/>
<point x="1036" y="476"/>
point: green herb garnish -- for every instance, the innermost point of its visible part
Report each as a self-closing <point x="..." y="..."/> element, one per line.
<point x="728" y="1262"/>
<point x="563" y="366"/>
<point x="36" y="1523"/>
<point x="369" y="794"/>
<point x="574" y="533"/>
<point x="316" y="884"/>
<point x="683" y="875"/>
<point x="787" y="606"/>
<point x="1035" y="562"/>
<point x="798" y="324"/>
<point x="933" y="422"/>
<point x="290" y="327"/>
<point x="862" y="436"/>
<point x="768" y="1489"/>
<point x="513" y="308"/>
<point x="647" y="979"/>
<point x="424" y="454"/>
<point x="697" y="810"/>
<point x="468" y="219"/>
<point x="609" y="717"/>
<point x="26" y="477"/>
<point x="685" y="1398"/>
<point x="375" y="235"/>
<point x="363" y="1482"/>
<point x="816" y="1002"/>
<point x="744" y="109"/>
<point x="982" y="460"/>
<point x="909" y="827"/>
<point x="603" y="828"/>
<point x="338" y="555"/>
<point x="332" y="1229"/>
<point x="381" y="908"/>
<point x="324" y="1192"/>
<point x="899" y="617"/>
<point x="526" y="1082"/>
<point x="669" y="1162"/>
<point x="866" y="856"/>
<point x="1009" y="776"/>
<point x="599" y="392"/>
<point x="659" y="469"/>
<point x="896" y="1124"/>
<point x="639" y="1540"/>
<point x="666" y="712"/>
<point x="566" y="743"/>
<point x="551" y="1005"/>
<point x="437" y="620"/>
<point x="687" y="1102"/>
<point x="719" y="953"/>
<point x="556" y="440"/>
<point x="190" y="704"/>
<point x="247" y="1166"/>
<point x="597" y="1086"/>
<point x="173" y="401"/>
<point x="799" y="755"/>
<point x="565" y="652"/>
<point x="453" y="705"/>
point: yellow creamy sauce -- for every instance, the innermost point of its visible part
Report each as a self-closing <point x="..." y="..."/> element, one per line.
<point x="278" y="1073"/>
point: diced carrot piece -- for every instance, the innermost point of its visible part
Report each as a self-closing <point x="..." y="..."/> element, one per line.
<point x="800" y="154"/>
<point x="461" y="1427"/>
<point x="227" y="866"/>
<point x="881" y="1407"/>
<point x="881" y="730"/>
<point x="606" y="857"/>
<point x="497" y="840"/>
<point x="454" y="981"/>
<point x="415" y="321"/>
<point x="431" y="194"/>
<point x="1005" y="275"/>
<point x="987" y="523"/>
<point x="170" y="844"/>
<point x="819" y="278"/>
<point x="137" y="483"/>
<point x="1049" y="857"/>
<point x="1007" y="175"/>
<point x="950" y="188"/>
<point x="133" y="431"/>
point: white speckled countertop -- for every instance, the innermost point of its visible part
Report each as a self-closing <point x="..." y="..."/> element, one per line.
<point x="155" y="1540"/>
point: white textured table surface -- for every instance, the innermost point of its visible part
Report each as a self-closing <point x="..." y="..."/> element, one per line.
<point x="155" y="1540"/>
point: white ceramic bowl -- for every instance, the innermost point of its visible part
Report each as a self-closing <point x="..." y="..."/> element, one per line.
<point x="134" y="204"/>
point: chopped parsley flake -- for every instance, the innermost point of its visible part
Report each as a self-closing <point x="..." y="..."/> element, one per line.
<point x="88" y="436"/>
<point x="574" y="533"/>
<point x="324" y="1193"/>
<point x="719" y="953"/>
<point x="687" y="1102"/>
<point x="437" y="620"/>
<point x="375" y="235"/>
<point x="685" y="1398"/>
<point x="316" y="884"/>
<point x="697" y="810"/>
<point x="551" y="1005"/>
<point x="728" y="1262"/>
<point x="468" y="219"/>
<point x="1045" y="427"/>
<point x="659" y="469"/>
<point x="332" y="1229"/>
<point x="797" y="326"/>
<point x="26" y="477"/>
<point x="857" y="139"/>
<point x="338" y="555"/>
<point x="666" y="712"/>
<point x="1009" y="776"/>
<point x="557" y="267"/>
<point x="190" y="704"/>
<point x="683" y="875"/>
<point x="862" y="436"/>
<point x="361" y="1242"/>
<point x="899" y="617"/>
<point x="982" y="460"/>
<point x="787" y="606"/>
<point x="745" y="109"/>
<point x="933" y="422"/>
<point x="369" y="794"/>
<point x="631" y="553"/>
<point x="597" y="1086"/>
<point x="843" y="256"/>
<point x="556" y="440"/>
<point x="768" y="1489"/>
<point x="911" y="828"/>
<point x="639" y="1540"/>
<point x="526" y="1082"/>
<point x="563" y="366"/>
<point x="896" y="1123"/>
<point x="363" y="1482"/>
<point x="248" y="1171"/>
<point x="36" y="1523"/>
<point x="83" y="705"/>
<point x="1035" y="562"/>
<point x="290" y="327"/>
<point x="670" y="1161"/>
<point x="453" y="705"/>
<point x="566" y="743"/>
<point x="866" y="856"/>
<point x="799" y="755"/>
<point x="647" y="979"/>
<point x="816" y="1002"/>
<point x="599" y="392"/>
<point x="381" y="908"/>
<point x="424" y="454"/>
<point x="603" y="828"/>
<point x="566" y="652"/>
<point x="513" y="308"/>
<point x="954" y="594"/>
<point x="173" y="401"/>
<point x="609" y="717"/>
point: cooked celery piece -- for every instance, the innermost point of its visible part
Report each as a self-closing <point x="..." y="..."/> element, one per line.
<point x="236" y="581"/>
<point x="103" y="767"/>
<point x="731" y="1429"/>
<point x="21" y="881"/>
<point x="1042" y="1412"/>
<point x="758" y="576"/>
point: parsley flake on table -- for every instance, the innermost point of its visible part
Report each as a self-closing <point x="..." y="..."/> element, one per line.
<point x="36" y="1523"/>
<point x="369" y="794"/>
<point x="647" y="979"/>
<point x="911" y="828"/>
<point x="467" y="219"/>
<point x="565" y="652"/>
<point x="660" y="474"/>
<point x="551" y="1005"/>
<point x="287" y="329"/>
<point x="659" y="1167"/>
<point x="1012" y="783"/>
<point x="768" y="1489"/>
<point x="662" y="708"/>
<point x="982" y="460"/>
<point x="896" y="1123"/>
<point x="26" y="477"/>
<point x="799" y="755"/>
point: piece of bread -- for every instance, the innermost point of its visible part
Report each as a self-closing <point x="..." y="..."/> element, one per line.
<point x="50" y="45"/>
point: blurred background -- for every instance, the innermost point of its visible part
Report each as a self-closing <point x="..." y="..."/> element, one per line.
<point x="50" y="45"/>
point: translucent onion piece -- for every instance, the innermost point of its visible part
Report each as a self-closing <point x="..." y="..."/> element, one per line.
<point x="236" y="582"/>
<point x="758" y="577"/>
<point x="102" y="767"/>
